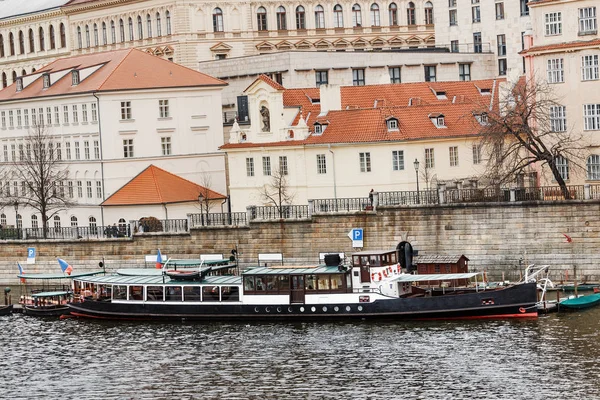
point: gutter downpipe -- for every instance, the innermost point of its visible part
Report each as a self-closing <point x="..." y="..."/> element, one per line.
<point x="334" y="182"/>
<point x="101" y="158"/>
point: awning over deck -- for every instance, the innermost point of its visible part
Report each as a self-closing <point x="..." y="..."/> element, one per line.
<point x="58" y="276"/>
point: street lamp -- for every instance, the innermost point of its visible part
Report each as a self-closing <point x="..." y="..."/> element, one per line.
<point x="416" y="164"/>
<point x="16" y="204"/>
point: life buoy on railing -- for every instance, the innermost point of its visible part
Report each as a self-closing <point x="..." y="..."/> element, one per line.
<point x="522" y="310"/>
<point x="379" y="275"/>
<point x="372" y="276"/>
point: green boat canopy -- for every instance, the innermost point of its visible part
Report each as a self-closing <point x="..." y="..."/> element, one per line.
<point x="50" y="294"/>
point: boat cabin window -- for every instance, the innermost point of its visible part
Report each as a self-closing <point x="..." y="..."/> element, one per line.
<point x="191" y="293"/>
<point x="337" y="282"/>
<point x="284" y="283"/>
<point x="210" y="293"/>
<point x="323" y="282"/>
<point x="271" y="281"/>
<point x="310" y="282"/>
<point x="260" y="283"/>
<point x="154" y="293"/>
<point x="136" y="293"/>
<point x="230" y="293"/>
<point x="104" y="292"/>
<point x="248" y="283"/>
<point x="119" y="292"/>
<point x="173" y="293"/>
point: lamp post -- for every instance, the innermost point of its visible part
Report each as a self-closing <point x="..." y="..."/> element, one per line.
<point x="416" y="164"/>
<point x="16" y="204"/>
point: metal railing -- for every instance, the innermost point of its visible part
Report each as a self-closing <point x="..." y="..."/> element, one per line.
<point x="340" y="205"/>
<point x="422" y="197"/>
<point x="283" y="212"/>
<point x="219" y="219"/>
<point x="477" y="195"/>
<point x="75" y="232"/>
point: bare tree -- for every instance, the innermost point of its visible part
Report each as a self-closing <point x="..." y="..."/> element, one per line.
<point x="205" y="197"/>
<point x="277" y="192"/>
<point x="428" y="176"/>
<point x="527" y="128"/>
<point x="41" y="175"/>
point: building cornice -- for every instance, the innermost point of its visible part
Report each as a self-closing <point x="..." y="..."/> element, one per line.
<point x="93" y="5"/>
<point x="32" y="17"/>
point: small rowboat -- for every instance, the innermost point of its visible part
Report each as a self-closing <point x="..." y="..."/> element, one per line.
<point x="183" y="274"/>
<point x="578" y="303"/>
<point x="6" y="310"/>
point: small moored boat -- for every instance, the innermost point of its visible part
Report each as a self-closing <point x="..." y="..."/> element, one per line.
<point x="6" y="310"/>
<point x="48" y="304"/>
<point x="581" y="302"/>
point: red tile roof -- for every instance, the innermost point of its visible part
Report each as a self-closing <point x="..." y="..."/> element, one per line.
<point x="157" y="186"/>
<point x="268" y="81"/>
<point x="127" y="69"/>
<point x="561" y="46"/>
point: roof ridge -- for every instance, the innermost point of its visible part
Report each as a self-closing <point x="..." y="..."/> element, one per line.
<point x="155" y="180"/>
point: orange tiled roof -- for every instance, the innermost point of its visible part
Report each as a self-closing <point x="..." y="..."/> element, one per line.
<point x="121" y="70"/>
<point x="157" y="186"/>
<point x="268" y="81"/>
<point x="560" y="46"/>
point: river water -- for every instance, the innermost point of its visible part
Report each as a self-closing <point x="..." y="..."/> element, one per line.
<point x="552" y="357"/>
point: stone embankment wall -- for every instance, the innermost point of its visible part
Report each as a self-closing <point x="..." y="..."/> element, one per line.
<point x="493" y="236"/>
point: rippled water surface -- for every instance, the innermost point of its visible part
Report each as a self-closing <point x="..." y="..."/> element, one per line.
<point x="553" y="357"/>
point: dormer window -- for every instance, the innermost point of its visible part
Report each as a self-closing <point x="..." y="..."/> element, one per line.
<point x="318" y="129"/>
<point x="392" y="124"/>
<point x="46" y="80"/>
<point x="482" y="118"/>
<point x="438" y="120"/>
<point x="19" y="84"/>
<point x="441" y="95"/>
<point x="441" y="121"/>
<point x="75" y="77"/>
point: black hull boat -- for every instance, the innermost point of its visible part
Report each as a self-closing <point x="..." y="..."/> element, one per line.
<point x="50" y="311"/>
<point x="373" y="286"/>
<point x="6" y="310"/>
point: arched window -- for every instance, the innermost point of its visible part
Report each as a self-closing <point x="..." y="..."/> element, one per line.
<point x="429" y="13"/>
<point x="121" y="30"/>
<point x="34" y="221"/>
<point x="593" y="167"/>
<point x="87" y="36"/>
<point x="63" y="36"/>
<point x="1" y="46"/>
<point x="11" y="43"/>
<point x="217" y="20"/>
<point x="410" y="14"/>
<point x="3" y="219"/>
<point x="32" y="70"/>
<point x="149" y="25"/>
<point x="338" y="16"/>
<point x="21" y="43"/>
<point x="158" y="25"/>
<point x="281" y="19"/>
<point x="42" y="39"/>
<point x="261" y="18"/>
<point x="375" y="18"/>
<point x="52" y="38"/>
<point x="168" y="22"/>
<point x="122" y="227"/>
<point x="31" y="41"/>
<point x="56" y="223"/>
<point x="130" y="28"/>
<point x="140" y="28"/>
<point x="96" y="42"/>
<point x="92" y="223"/>
<point x="356" y="15"/>
<point x="300" y="18"/>
<point x="319" y="17"/>
<point x="113" y="32"/>
<point x="19" y="221"/>
<point x="79" y="45"/>
<point x="23" y="72"/>
<point x="4" y="80"/>
<point x="104" y="37"/>
<point x="74" y="221"/>
<point x="14" y="76"/>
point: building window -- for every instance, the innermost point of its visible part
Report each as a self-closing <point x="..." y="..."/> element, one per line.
<point x="77" y="151"/>
<point x="84" y="113"/>
<point x="593" y="167"/>
<point x="283" y="165"/>
<point x="428" y="13"/>
<point x="149" y="25"/>
<point x="556" y="70"/>
<point x="168" y="22"/>
<point x="63" y="36"/>
<point x="19" y="119"/>
<point x="501" y="45"/>
<point x="476" y="154"/>
<point x="70" y="189"/>
<point x="125" y="110"/>
<point x="589" y="68"/>
<point x="89" y="190"/>
<point x="553" y="23"/>
<point x="562" y="164"/>
<point x="338" y="16"/>
<point x="96" y="149"/>
<point x="266" y="166"/>
<point x="261" y="18"/>
<point x="365" y="162"/>
<point x="500" y="10"/>
<point x="430" y="71"/>
<point x="79" y="41"/>
<point x="94" y="113"/>
<point x="397" y="160"/>
<point x="558" y="118"/>
<point x="453" y="150"/>
<point x="587" y="21"/>
<point x="58" y="152"/>
<point x="375" y="16"/>
<point x="80" y="189"/>
<point x="464" y="72"/>
<point x="104" y="37"/>
<point x="300" y="18"/>
<point x="163" y="108"/>
<point x="96" y="42"/>
<point x="42" y="39"/>
<point x="318" y="129"/>
<point x="394" y="74"/>
<point x="68" y="150"/>
<point x="319" y="17"/>
<point x="502" y="66"/>
<point x="121" y="31"/>
<point x="131" y="29"/>
<point x="127" y="148"/>
<point x="249" y="166"/>
<point x="477" y="43"/>
<point x="86" y="149"/>
<point x="165" y="144"/>
<point x="56" y="115"/>
<point x="281" y="19"/>
<point x="393" y="14"/>
<point x="321" y="164"/>
<point x="392" y="124"/>
<point x="524" y="8"/>
<point x="411" y="17"/>
<point x="591" y="117"/>
<point x="113" y="32"/>
<point x="476" y="13"/>
<point x="453" y="17"/>
<point x="356" y="16"/>
<point x="321" y="77"/>
<point x="75" y="115"/>
<point x="358" y="77"/>
<point x="429" y="158"/>
<point x="75" y="78"/>
<point x="65" y="114"/>
<point x="454" y="46"/>
<point x="99" y="189"/>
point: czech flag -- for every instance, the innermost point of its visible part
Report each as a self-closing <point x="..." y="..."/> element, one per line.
<point x="65" y="266"/>
<point x="21" y="272"/>
<point x="158" y="260"/>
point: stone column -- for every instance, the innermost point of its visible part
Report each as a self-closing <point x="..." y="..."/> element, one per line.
<point x="587" y="195"/>
<point x="442" y="193"/>
<point x="311" y="208"/>
<point x="513" y="194"/>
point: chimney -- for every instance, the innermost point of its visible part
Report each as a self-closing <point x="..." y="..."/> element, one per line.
<point x="331" y="98"/>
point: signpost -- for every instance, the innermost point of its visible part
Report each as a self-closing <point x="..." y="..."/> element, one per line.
<point x="31" y="255"/>
<point x="356" y="235"/>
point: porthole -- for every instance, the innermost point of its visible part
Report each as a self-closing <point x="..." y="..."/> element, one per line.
<point x="336" y="309"/>
<point x="301" y="309"/>
<point x="324" y="309"/>
<point x="348" y="308"/>
<point x="268" y="309"/>
<point x="289" y="309"/>
<point x="255" y="309"/>
<point x="278" y="309"/>
<point x="313" y="309"/>
<point x="359" y="308"/>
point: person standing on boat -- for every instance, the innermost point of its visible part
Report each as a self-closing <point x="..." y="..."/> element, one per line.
<point x="371" y="197"/>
